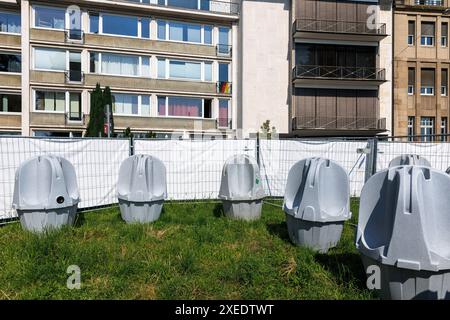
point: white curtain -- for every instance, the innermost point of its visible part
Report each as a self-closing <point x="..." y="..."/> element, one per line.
<point x="120" y="64"/>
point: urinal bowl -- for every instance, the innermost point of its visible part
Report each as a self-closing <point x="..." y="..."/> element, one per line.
<point x="319" y="236"/>
<point x="140" y="212"/>
<point x="243" y="210"/>
<point x="40" y="221"/>
<point x="405" y="284"/>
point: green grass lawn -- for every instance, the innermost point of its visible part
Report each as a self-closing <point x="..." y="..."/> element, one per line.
<point x="192" y="252"/>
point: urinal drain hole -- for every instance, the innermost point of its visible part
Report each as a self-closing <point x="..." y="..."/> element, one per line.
<point x="60" y="199"/>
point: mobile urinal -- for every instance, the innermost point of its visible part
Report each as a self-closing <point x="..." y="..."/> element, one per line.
<point x="241" y="189"/>
<point x="142" y="189"/>
<point x="316" y="203"/>
<point x="409" y="160"/>
<point x="46" y="193"/>
<point x="403" y="232"/>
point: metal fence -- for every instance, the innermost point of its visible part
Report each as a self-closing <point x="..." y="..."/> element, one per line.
<point x="194" y="167"/>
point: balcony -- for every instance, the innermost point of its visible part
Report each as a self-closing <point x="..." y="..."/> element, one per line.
<point x="74" y="77"/>
<point x="74" y="36"/>
<point x="224" y="50"/>
<point x="339" y="123"/>
<point x="338" y="30"/>
<point x="213" y="6"/>
<point x="354" y="76"/>
<point x="224" y="87"/>
<point x="75" y="119"/>
<point x="425" y="3"/>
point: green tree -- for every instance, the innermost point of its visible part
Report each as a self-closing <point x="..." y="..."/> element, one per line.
<point x="108" y="101"/>
<point x="97" y="114"/>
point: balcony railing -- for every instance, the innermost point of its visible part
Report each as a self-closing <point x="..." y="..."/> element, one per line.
<point x="339" y="73"/>
<point x="223" y="123"/>
<point x="332" y="26"/>
<point x="340" y="123"/>
<point x="74" y="35"/>
<point x="75" y="118"/>
<point x="74" y="76"/>
<point x="224" y="87"/>
<point x="431" y="3"/>
<point x="224" y="50"/>
<point x="215" y="6"/>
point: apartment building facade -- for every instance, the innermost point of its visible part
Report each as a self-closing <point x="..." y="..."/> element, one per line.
<point x="170" y="64"/>
<point x="341" y="62"/>
<point x="421" y="62"/>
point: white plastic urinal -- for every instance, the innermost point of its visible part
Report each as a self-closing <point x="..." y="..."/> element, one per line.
<point x="241" y="188"/>
<point x="316" y="203"/>
<point x="46" y="193"/>
<point x="404" y="218"/>
<point x="142" y="189"/>
<point x="409" y="160"/>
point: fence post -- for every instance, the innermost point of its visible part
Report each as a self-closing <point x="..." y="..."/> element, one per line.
<point x="371" y="158"/>
<point x="257" y="150"/>
<point x="131" y="146"/>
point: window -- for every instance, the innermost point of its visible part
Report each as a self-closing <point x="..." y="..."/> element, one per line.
<point x="427" y="128"/>
<point x="444" y="34"/>
<point x="444" y="81"/>
<point x="10" y="22"/>
<point x="10" y="62"/>
<point x="427" y="37"/>
<point x="48" y="17"/>
<point x="444" y="125"/>
<point x="120" y="25"/>
<point x="94" y="26"/>
<point x="185" y="32"/>
<point x="189" y="70"/>
<point x="75" y="73"/>
<point x="131" y="104"/>
<point x="411" y="32"/>
<point x="119" y="64"/>
<point x="224" y="72"/>
<point x="50" y="101"/>
<point x="75" y="106"/>
<point x="10" y="102"/>
<point x="145" y="28"/>
<point x="411" y="128"/>
<point x="224" y="113"/>
<point x="411" y="80"/>
<point x="49" y="59"/>
<point x="427" y="79"/>
<point x="58" y="134"/>
<point x="224" y="41"/>
<point x="184" y="107"/>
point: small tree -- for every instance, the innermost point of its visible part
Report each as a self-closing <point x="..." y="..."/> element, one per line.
<point x="267" y="130"/>
<point x="108" y="101"/>
<point x="127" y="133"/>
<point x="97" y="114"/>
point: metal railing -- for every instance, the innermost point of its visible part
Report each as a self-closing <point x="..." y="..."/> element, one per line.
<point x="224" y="87"/>
<point x="74" y="35"/>
<point x="75" y="118"/>
<point x="333" y="26"/>
<point x="73" y="76"/>
<point x="437" y="3"/>
<point x="224" y="50"/>
<point x="215" y="6"/>
<point x="340" y="123"/>
<point x="339" y="72"/>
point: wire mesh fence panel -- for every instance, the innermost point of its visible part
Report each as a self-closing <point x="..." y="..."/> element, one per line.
<point x="278" y="156"/>
<point x="96" y="162"/>
<point x="194" y="167"/>
<point x="437" y="153"/>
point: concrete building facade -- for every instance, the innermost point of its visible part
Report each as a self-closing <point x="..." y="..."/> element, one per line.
<point x="421" y="67"/>
<point x="170" y="65"/>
